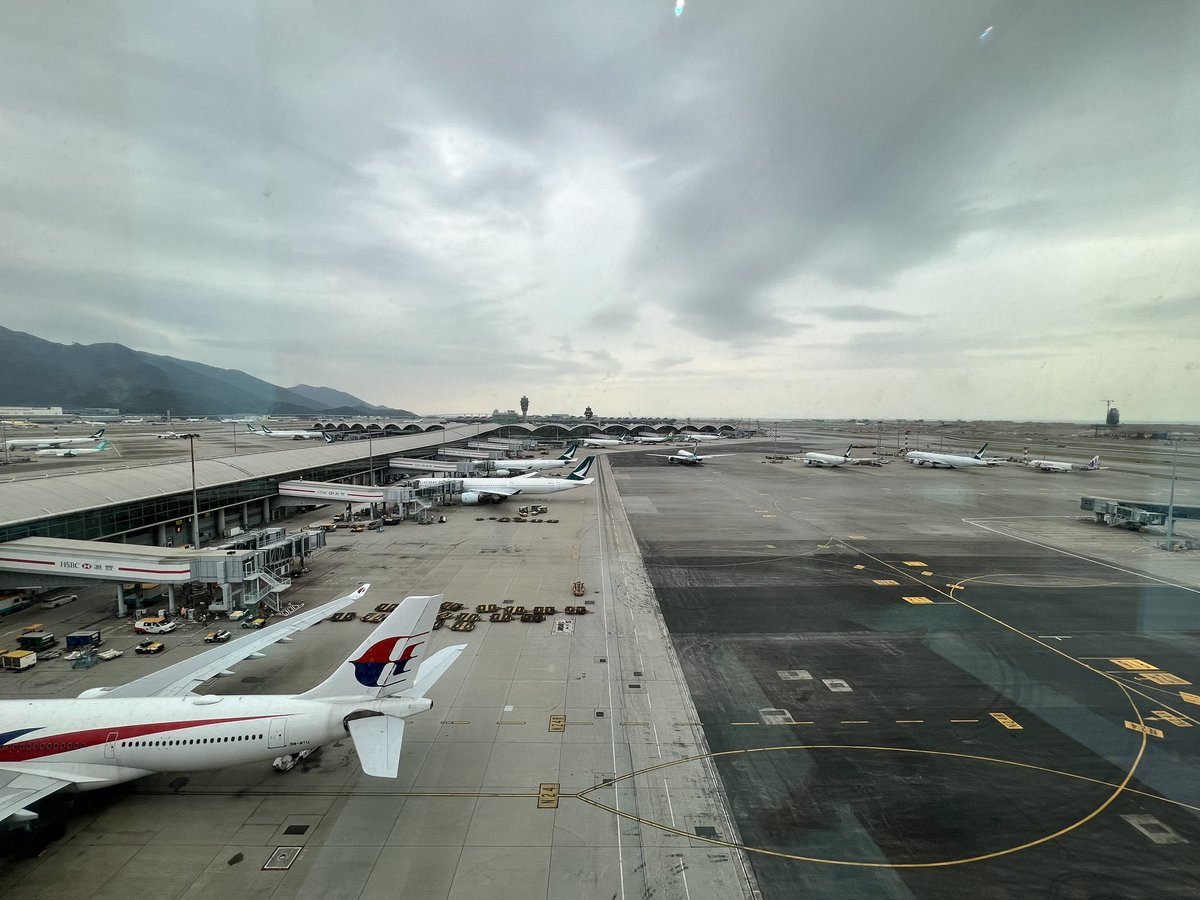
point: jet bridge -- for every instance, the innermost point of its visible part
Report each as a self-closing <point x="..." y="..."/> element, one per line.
<point x="248" y="577"/>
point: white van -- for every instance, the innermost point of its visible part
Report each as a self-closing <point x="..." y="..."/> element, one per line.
<point x="154" y="625"/>
<point x="60" y="600"/>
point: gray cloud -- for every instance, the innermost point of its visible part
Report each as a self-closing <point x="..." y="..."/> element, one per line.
<point x="417" y="184"/>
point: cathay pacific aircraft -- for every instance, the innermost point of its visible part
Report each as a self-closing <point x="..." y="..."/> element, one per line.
<point x="493" y="490"/>
<point x="536" y="465"/>
<point x="948" y="460"/>
<point x="157" y="723"/>
<point x="52" y="443"/>
<point x="76" y="451"/>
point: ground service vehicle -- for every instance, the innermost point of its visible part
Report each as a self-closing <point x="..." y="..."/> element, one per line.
<point x="217" y="637"/>
<point x="18" y="660"/>
<point x="37" y="640"/>
<point x="154" y="625"/>
<point x="148" y="647"/>
<point x="84" y="640"/>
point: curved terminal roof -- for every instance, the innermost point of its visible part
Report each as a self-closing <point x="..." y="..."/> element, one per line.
<point x="34" y="498"/>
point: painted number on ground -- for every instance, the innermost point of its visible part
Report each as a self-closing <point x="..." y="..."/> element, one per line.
<point x="1167" y="716"/>
<point x="1190" y="698"/>
<point x="1163" y="678"/>
<point x="564" y="626"/>
<point x="918" y="600"/>
<point x="1143" y="729"/>
<point x="547" y="796"/>
<point x="1134" y="665"/>
<point x="558" y="723"/>
<point x="885" y="582"/>
<point x="1007" y="721"/>
<point x="916" y="564"/>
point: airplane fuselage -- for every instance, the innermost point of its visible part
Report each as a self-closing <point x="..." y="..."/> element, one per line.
<point x="603" y="442"/>
<point x="824" y="459"/>
<point x="944" y="460"/>
<point x="517" y="485"/>
<point x="97" y="742"/>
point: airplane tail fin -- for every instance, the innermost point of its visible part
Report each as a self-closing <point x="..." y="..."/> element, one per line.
<point x="1092" y="464"/>
<point x="265" y="429"/>
<point x="979" y="452"/>
<point x="103" y="445"/>
<point x="328" y="437"/>
<point x="250" y="428"/>
<point x="569" y="454"/>
<point x="579" y="473"/>
<point x="386" y="662"/>
<point x="846" y="455"/>
<point x="99" y="433"/>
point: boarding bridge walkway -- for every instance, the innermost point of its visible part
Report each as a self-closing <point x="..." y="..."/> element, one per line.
<point x="245" y="575"/>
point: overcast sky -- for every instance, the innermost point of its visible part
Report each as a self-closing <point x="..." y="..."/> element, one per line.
<point x="755" y="209"/>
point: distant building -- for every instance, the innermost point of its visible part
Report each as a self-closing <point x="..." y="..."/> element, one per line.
<point x="1114" y="416"/>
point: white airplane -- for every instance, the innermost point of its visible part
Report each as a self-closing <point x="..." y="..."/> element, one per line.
<point x="949" y="460"/>
<point x="812" y="458"/>
<point x="50" y="443"/>
<point x="653" y="438"/>
<point x="604" y="442"/>
<point x="296" y="435"/>
<point x="76" y="451"/>
<point x="493" y="490"/>
<point x="504" y="466"/>
<point x="157" y="724"/>
<point x="686" y="457"/>
<point x="698" y="436"/>
<point x="1053" y="465"/>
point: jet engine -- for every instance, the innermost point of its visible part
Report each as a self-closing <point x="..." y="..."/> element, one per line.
<point x="470" y="498"/>
<point x="501" y="473"/>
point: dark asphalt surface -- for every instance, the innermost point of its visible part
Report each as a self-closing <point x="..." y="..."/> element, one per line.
<point x="909" y="783"/>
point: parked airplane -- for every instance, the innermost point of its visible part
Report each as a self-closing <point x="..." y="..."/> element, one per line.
<point x="812" y="458"/>
<point x="176" y="436"/>
<point x="157" y="724"/>
<point x="686" y="457"/>
<point x="1053" y="465"/>
<point x="604" y="442"/>
<point x="50" y="443"/>
<point x="698" y="436"/>
<point x="653" y="438"/>
<point x="949" y="460"/>
<point x="493" y="490"/>
<point x="296" y="435"/>
<point x="504" y="466"/>
<point x="76" y="451"/>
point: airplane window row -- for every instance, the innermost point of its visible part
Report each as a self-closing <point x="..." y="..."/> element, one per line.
<point x="220" y="740"/>
<point x="56" y="745"/>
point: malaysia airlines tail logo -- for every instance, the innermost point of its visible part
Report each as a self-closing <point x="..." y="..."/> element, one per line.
<point x="379" y="667"/>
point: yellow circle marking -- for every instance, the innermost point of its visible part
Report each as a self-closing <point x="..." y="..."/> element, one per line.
<point x="935" y="864"/>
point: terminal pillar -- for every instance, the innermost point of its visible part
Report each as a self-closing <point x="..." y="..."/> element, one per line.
<point x="121" y="610"/>
<point x="160" y="535"/>
<point x="220" y="522"/>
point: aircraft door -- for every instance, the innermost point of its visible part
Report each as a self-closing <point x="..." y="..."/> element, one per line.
<point x="277" y="732"/>
<point x="110" y="745"/>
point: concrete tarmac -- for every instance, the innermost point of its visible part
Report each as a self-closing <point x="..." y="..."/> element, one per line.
<point x="877" y="682"/>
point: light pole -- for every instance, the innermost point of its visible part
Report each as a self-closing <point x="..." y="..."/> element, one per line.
<point x="1171" y="501"/>
<point x="195" y="502"/>
<point x="371" y="450"/>
<point x="4" y="439"/>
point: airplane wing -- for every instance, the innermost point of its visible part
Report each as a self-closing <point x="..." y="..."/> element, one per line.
<point x="183" y="677"/>
<point x="499" y="491"/>
<point x="18" y="791"/>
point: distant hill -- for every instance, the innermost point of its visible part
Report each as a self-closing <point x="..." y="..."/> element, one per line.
<point x="43" y="373"/>
<point x="331" y="399"/>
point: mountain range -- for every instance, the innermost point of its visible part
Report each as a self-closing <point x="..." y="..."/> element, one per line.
<point x="43" y="373"/>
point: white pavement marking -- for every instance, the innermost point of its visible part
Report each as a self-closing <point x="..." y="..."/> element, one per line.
<point x="682" y="866"/>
